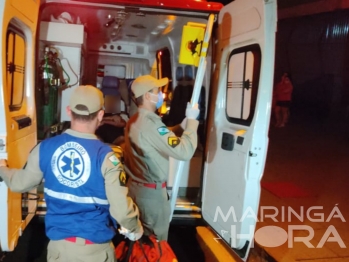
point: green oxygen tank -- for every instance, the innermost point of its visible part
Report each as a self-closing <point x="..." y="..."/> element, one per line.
<point x="47" y="94"/>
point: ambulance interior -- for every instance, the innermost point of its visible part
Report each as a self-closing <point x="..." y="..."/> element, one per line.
<point x="108" y="46"/>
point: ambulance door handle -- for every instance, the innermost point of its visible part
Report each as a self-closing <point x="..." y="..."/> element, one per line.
<point x="228" y="141"/>
<point x="251" y="154"/>
<point x="23" y="121"/>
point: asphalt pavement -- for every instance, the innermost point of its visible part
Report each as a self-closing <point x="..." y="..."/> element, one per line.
<point x="32" y="244"/>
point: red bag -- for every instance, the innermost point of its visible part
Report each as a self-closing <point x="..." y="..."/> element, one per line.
<point x="146" y="249"/>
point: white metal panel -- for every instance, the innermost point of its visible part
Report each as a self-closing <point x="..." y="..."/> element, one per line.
<point x="231" y="188"/>
<point x="69" y="43"/>
<point x="71" y="63"/>
<point x="62" y="33"/>
<point x="115" y="70"/>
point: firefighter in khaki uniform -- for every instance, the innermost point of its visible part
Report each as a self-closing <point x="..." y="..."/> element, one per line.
<point x="85" y="186"/>
<point x="148" y="146"/>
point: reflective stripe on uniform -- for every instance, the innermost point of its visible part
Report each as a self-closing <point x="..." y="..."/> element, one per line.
<point x="76" y="199"/>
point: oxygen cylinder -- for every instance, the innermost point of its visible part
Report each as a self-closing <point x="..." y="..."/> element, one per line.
<point x="49" y="81"/>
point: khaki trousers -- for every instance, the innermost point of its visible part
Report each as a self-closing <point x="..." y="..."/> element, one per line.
<point x="154" y="208"/>
<point x="66" y="251"/>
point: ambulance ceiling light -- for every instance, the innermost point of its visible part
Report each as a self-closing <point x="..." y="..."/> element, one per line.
<point x="109" y="23"/>
<point x="155" y="32"/>
<point x="117" y="19"/>
<point x="166" y="26"/>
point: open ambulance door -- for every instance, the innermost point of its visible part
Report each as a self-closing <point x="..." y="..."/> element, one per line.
<point x="17" y="110"/>
<point x="239" y="115"/>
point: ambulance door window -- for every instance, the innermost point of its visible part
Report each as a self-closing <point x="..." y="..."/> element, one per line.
<point x="163" y="58"/>
<point x="15" y="68"/>
<point x="242" y="86"/>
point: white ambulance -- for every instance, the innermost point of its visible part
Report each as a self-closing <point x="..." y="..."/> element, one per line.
<point x="219" y="56"/>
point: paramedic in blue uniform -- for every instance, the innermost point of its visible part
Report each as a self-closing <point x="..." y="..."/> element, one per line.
<point x="84" y="186"/>
<point x="148" y="146"/>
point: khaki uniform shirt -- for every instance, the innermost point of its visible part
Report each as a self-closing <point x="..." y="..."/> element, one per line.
<point x="149" y="144"/>
<point x="122" y="207"/>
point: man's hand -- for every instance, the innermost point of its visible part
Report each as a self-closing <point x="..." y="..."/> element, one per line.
<point x="3" y="162"/>
<point x="131" y="236"/>
<point x="192" y="112"/>
<point x="184" y="123"/>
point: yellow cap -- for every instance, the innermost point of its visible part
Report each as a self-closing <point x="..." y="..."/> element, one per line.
<point x="143" y="84"/>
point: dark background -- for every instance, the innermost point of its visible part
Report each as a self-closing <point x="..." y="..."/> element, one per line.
<point x="312" y="46"/>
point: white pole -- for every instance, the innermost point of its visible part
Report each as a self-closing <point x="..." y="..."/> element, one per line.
<point x="174" y="163"/>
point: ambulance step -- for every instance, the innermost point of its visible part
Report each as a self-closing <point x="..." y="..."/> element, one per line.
<point x="40" y="208"/>
<point x="42" y="204"/>
<point x="186" y="204"/>
<point x="184" y="201"/>
<point x="186" y="213"/>
<point x="187" y="218"/>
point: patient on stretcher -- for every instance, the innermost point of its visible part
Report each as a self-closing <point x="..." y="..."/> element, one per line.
<point x="111" y="129"/>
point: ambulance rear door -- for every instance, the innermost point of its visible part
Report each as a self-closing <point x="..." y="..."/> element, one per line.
<point x="17" y="110"/>
<point x="238" y="120"/>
